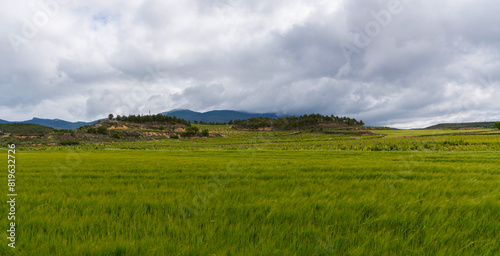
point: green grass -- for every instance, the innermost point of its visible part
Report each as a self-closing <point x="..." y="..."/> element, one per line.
<point x="382" y="140"/>
<point x="313" y="141"/>
<point x="412" y="133"/>
<point x="256" y="202"/>
<point x="386" y="140"/>
<point x="462" y="125"/>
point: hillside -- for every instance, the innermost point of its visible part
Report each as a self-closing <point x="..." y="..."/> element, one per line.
<point x="216" y="116"/>
<point x="312" y="121"/>
<point x="462" y="125"/>
<point x="24" y="129"/>
<point x="135" y="129"/>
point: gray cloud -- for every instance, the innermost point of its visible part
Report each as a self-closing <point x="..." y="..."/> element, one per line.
<point x="435" y="61"/>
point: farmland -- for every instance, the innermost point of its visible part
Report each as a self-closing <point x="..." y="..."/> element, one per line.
<point x="433" y="192"/>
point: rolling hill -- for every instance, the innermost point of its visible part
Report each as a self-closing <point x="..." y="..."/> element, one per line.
<point x="25" y="128"/>
<point x="462" y="125"/>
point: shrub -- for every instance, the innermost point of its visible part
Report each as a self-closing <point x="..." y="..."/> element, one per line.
<point x="497" y="125"/>
<point x="162" y="127"/>
<point x="116" y="135"/>
<point x="191" y="130"/>
<point x="92" y="130"/>
<point x="175" y="136"/>
<point x="69" y="143"/>
<point x="64" y="131"/>
<point x="102" y="130"/>
<point x="204" y="133"/>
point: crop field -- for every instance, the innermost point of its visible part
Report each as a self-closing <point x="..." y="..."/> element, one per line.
<point x="413" y="133"/>
<point x="262" y="193"/>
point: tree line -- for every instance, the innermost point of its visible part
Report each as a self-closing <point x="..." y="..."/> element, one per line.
<point x="284" y="123"/>
<point x="209" y="123"/>
<point x="293" y="122"/>
<point x="159" y="118"/>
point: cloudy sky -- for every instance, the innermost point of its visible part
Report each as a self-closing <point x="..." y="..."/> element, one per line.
<point x="401" y="63"/>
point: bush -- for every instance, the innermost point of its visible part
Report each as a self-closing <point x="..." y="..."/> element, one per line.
<point x="69" y="143"/>
<point x="116" y="135"/>
<point x="102" y="130"/>
<point x="191" y="130"/>
<point x="162" y="127"/>
<point x="204" y="133"/>
<point x="92" y="130"/>
<point x="497" y="125"/>
<point x="175" y="136"/>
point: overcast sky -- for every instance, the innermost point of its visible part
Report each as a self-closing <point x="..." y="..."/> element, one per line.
<point x="388" y="62"/>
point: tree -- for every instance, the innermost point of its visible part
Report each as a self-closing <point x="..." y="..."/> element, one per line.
<point x="497" y="125"/>
<point x="110" y="116"/>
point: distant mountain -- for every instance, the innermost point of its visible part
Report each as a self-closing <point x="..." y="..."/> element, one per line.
<point x="54" y="123"/>
<point x="58" y="124"/>
<point x="220" y="116"/>
<point x="462" y="125"/>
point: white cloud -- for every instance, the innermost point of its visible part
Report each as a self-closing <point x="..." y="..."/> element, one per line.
<point x="436" y="61"/>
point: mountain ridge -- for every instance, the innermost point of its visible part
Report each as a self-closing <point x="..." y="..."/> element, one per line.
<point x="216" y="116"/>
<point x="54" y="123"/>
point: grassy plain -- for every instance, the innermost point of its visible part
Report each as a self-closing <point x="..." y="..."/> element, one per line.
<point x="259" y="193"/>
<point x="413" y="133"/>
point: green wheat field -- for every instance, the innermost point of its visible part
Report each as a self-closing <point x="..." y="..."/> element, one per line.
<point x="261" y="193"/>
